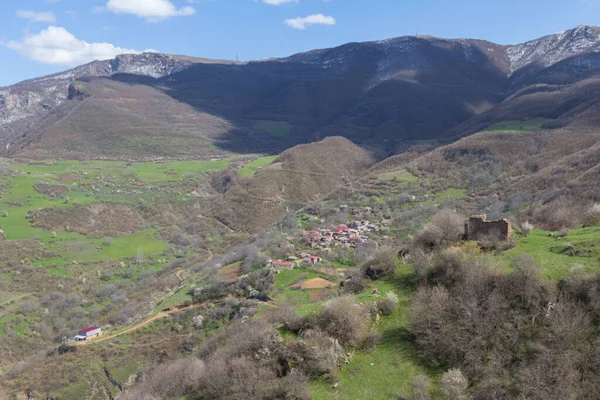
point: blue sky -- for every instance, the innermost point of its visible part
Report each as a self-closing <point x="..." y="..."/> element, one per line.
<point x="39" y="37"/>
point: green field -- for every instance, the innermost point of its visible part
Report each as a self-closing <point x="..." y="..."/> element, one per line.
<point x="387" y="372"/>
<point x="518" y="126"/>
<point x="277" y="129"/>
<point x="400" y="176"/>
<point x="384" y="373"/>
<point x="254" y="166"/>
<point x="557" y="256"/>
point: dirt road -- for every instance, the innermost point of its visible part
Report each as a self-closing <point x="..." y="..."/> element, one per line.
<point x="158" y="316"/>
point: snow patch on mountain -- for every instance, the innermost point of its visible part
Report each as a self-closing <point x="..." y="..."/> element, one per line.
<point x="552" y="49"/>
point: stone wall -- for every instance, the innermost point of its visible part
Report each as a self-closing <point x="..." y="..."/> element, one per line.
<point x="478" y="225"/>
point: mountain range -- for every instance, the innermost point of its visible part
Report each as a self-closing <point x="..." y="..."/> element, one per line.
<point x="385" y="96"/>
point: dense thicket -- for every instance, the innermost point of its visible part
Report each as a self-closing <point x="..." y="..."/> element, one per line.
<point x="513" y="335"/>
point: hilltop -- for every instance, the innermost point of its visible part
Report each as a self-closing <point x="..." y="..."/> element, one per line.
<point x="385" y="96"/>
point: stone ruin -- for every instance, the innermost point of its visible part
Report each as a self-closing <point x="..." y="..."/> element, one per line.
<point x="478" y="226"/>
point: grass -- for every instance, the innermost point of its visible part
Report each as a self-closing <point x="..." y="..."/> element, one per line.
<point x="388" y="371"/>
<point x="169" y="171"/>
<point x="3" y="322"/>
<point x="518" y="126"/>
<point x="400" y="176"/>
<point x="253" y="166"/>
<point x="452" y="194"/>
<point x="556" y="256"/>
<point x="178" y="298"/>
<point x="274" y="128"/>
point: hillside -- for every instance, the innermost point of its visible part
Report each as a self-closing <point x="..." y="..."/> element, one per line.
<point x="386" y="96"/>
<point x="295" y="228"/>
<point x="297" y="177"/>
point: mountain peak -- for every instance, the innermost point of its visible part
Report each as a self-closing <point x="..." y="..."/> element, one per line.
<point x="554" y="48"/>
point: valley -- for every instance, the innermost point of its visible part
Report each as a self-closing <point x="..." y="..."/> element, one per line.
<point x="295" y="228"/>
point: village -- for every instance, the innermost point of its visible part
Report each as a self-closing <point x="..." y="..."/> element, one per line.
<point x="324" y="240"/>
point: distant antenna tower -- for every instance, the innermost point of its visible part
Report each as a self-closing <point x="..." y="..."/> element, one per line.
<point x="236" y="58"/>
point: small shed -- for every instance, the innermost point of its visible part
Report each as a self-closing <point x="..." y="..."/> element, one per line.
<point x="88" y="333"/>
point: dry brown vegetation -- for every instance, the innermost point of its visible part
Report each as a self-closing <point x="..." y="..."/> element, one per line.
<point x="96" y="220"/>
<point x="298" y="176"/>
<point x="512" y="335"/>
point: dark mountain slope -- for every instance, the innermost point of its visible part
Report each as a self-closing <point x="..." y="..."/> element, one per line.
<point x="382" y="95"/>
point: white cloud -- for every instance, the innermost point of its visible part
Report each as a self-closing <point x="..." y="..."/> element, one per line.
<point x="315" y="19"/>
<point x="34" y="16"/>
<point x="150" y="10"/>
<point x="279" y="2"/>
<point x="55" y="45"/>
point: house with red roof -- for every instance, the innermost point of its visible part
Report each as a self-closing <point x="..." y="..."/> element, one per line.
<point x="283" y="264"/>
<point x="88" y="333"/>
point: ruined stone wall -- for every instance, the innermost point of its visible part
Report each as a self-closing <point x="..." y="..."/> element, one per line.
<point x="479" y="226"/>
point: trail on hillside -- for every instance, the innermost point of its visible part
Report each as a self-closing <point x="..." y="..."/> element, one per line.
<point x="158" y="316"/>
<point x="16" y="298"/>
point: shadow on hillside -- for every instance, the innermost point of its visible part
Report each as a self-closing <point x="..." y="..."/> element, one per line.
<point x="422" y="93"/>
<point x="402" y="341"/>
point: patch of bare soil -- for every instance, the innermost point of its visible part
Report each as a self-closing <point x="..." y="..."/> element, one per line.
<point x="94" y="221"/>
<point x="230" y="272"/>
<point x="317" y="283"/>
<point x="319" y="295"/>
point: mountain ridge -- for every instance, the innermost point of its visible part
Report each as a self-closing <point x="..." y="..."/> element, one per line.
<point x="375" y="93"/>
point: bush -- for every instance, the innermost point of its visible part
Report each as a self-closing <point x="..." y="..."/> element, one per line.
<point x="356" y="283"/>
<point x="445" y="227"/>
<point x="317" y="354"/>
<point x="389" y="304"/>
<point x="526" y="228"/>
<point x="592" y="215"/>
<point x="453" y="385"/>
<point x="345" y="320"/>
<point x="383" y="263"/>
<point x="371" y="341"/>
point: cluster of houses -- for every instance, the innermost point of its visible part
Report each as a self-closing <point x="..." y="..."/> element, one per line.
<point x="350" y="235"/>
<point x="293" y="261"/>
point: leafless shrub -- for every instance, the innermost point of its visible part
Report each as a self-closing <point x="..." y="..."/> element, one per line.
<point x="388" y="304"/>
<point x="445" y="227"/>
<point x="453" y="385"/>
<point x="371" y="341"/>
<point x="592" y="215"/>
<point x="383" y="263"/>
<point x="449" y="223"/>
<point x="317" y="354"/>
<point x="356" y="283"/>
<point x="564" y="232"/>
<point x="345" y="320"/>
<point x="289" y="317"/>
<point x="166" y="381"/>
<point x="526" y="228"/>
